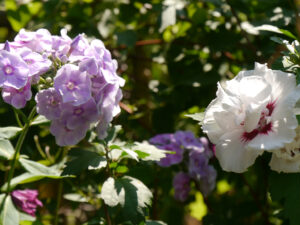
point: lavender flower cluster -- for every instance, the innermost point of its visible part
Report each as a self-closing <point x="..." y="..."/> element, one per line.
<point x="198" y="151"/>
<point x="78" y="82"/>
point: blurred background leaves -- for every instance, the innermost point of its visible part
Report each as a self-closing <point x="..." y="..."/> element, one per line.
<point x="171" y="53"/>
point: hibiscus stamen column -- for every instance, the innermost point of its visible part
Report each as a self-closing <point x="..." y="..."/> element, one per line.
<point x="18" y="147"/>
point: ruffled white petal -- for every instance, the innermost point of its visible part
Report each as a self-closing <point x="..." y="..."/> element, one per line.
<point x="232" y="154"/>
<point x="284" y="165"/>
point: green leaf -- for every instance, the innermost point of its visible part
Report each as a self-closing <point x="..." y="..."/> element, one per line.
<point x="168" y="17"/>
<point x="40" y="120"/>
<point x="285" y="187"/>
<point x="155" y="222"/>
<point x="6" y="149"/>
<point x="28" y="178"/>
<point x="128" y="38"/>
<point x="288" y="34"/>
<point x="26" y="217"/>
<point x="38" y="169"/>
<point x="197" y="116"/>
<point x="154" y="154"/>
<point x="112" y="133"/>
<point x="9" y="214"/>
<point x="9" y="132"/>
<point x="122" y="169"/>
<point x="75" y="197"/>
<point x="83" y="159"/>
<point x="131" y="194"/>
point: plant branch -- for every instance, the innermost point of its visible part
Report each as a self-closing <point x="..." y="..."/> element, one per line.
<point x="18" y="147"/>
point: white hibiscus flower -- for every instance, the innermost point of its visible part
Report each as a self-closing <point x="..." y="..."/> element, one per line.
<point x="252" y="112"/>
<point x="287" y="159"/>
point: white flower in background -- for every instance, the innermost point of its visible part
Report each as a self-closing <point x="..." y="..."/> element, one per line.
<point x="287" y="159"/>
<point x="252" y="112"/>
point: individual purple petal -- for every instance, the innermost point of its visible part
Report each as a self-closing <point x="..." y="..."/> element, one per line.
<point x="188" y="141"/>
<point x="162" y="139"/>
<point x="65" y="136"/>
<point x="61" y="45"/>
<point x="208" y="180"/>
<point x="17" y="97"/>
<point x="73" y="85"/>
<point x="78" y="46"/>
<point x="181" y="184"/>
<point x="13" y="70"/>
<point x="75" y="116"/>
<point x="49" y="103"/>
<point x="26" y="200"/>
<point x="198" y="162"/>
<point x="38" y="41"/>
<point x="37" y="63"/>
<point x="89" y="65"/>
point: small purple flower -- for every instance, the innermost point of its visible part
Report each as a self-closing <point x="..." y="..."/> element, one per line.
<point x="78" y="47"/>
<point x="162" y="139"/>
<point x="65" y="136"/>
<point x="198" y="162"/>
<point x="17" y="97"/>
<point x="208" y="180"/>
<point x="75" y="116"/>
<point x="171" y="159"/>
<point x="26" y="200"/>
<point x="89" y="65"/>
<point x="167" y="142"/>
<point x="49" y="103"/>
<point x="37" y="63"/>
<point x="13" y="70"/>
<point x="181" y="184"/>
<point x="61" y="45"/>
<point x="73" y="85"/>
<point x="188" y="141"/>
<point x="38" y="41"/>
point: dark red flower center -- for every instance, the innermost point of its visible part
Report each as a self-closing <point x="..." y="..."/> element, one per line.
<point x="264" y="127"/>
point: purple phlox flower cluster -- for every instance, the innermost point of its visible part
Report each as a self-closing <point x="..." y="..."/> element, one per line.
<point x="20" y="67"/>
<point x="26" y="200"/>
<point x="82" y="87"/>
<point x="195" y="153"/>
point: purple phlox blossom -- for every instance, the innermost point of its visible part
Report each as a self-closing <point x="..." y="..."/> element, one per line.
<point x="37" y="63"/>
<point x="65" y="136"/>
<point x="73" y="85"/>
<point x="49" y="103"/>
<point x="61" y="45"/>
<point x="89" y="65"/>
<point x="38" y="41"/>
<point x="78" y="47"/>
<point x="161" y="140"/>
<point x="209" y="148"/>
<point x="208" y="180"/>
<point x="26" y="200"/>
<point x="13" y="70"/>
<point x="108" y="105"/>
<point x="181" y="184"/>
<point x="168" y="142"/>
<point x="17" y="97"/>
<point x="188" y="140"/>
<point x="75" y="116"/>
<point x="198" y="162"/>
<point x="171" y="159"/>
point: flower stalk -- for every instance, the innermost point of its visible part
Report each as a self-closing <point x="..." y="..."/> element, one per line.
<point x="18" y="148"/>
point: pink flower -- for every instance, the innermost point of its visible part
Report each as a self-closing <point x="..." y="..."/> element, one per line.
<point x="26" y="200"/>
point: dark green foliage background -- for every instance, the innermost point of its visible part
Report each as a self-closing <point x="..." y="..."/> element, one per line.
<point x="182" y="65"/>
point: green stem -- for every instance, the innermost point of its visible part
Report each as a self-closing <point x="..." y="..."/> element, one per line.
<point x="59" y="195"/>
<point x="18" y="148"/>
<point x="18" y="118"/>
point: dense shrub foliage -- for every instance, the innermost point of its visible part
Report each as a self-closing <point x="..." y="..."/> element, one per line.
<point x="159" y="62"/>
